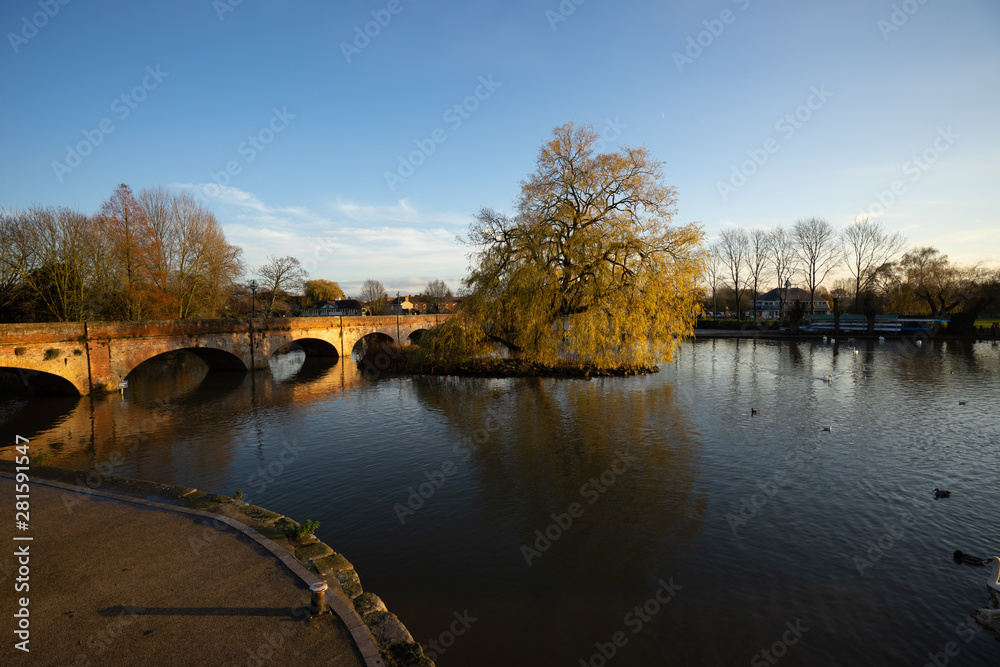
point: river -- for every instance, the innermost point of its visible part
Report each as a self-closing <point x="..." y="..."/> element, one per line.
<point x="632" y="521"/>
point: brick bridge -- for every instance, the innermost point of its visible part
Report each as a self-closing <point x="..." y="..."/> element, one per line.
<point x="95" y="356"/>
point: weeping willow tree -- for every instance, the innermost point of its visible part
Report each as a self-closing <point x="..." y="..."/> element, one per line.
<point x="588" y="267"/>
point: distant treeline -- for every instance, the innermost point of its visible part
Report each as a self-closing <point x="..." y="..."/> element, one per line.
<point x="155" y="255"/>
<point x="884" y="274"/>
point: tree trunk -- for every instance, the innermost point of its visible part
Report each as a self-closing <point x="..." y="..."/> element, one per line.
<point x="964" y="323"/>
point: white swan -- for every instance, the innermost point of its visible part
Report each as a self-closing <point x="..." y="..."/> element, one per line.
<point x="988" y="618"/>
<point x="994" y="580"/>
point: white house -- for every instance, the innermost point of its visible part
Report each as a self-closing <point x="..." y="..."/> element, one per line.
<point x="768" y="304"/>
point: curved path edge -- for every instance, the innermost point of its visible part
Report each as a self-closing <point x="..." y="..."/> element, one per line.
<point x="338" y="602"/>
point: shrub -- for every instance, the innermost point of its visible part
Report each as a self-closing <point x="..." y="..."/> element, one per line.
<point x="51" y="353"/>
<point x="299" y="531"/>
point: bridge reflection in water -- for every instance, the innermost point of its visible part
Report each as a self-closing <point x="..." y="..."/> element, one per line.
<point x="166" y="399"/>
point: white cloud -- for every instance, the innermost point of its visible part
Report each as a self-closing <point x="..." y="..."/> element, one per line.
<point x="416" y="251"/>
<point x="401" y="212"/>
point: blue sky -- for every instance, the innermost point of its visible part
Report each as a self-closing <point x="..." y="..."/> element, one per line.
<point x="762" y="112"/>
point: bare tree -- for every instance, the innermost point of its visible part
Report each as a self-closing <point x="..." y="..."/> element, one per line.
<point x="125" y="225"/>
<point x="887" y="282"/>
<point x="373" y="296"/>
<point x="735" y="248"/>
<point x="280" y="275"/>
<point x="159" y="255"/>
<point x="757" y="262"/>
<point x="867" y="247"/>
<point x="14" y="260"/>
<point x="60" y="242"/>
<point x="782" y="254"/>
<point x="714" y="268"/>
<point x="438" y="291"/>
<point x="944" y="287"/>
<point x="205" y="266"/>
<point x="817" y="248"/>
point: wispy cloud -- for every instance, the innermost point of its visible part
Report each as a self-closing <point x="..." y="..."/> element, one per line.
<point x="400" y="212"/>
<point x="352" y="244"/>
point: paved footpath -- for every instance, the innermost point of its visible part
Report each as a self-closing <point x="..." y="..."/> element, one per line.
<point x="118" y="583"/>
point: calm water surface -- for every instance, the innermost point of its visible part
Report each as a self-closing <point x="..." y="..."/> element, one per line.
<point x="663" y="485"/>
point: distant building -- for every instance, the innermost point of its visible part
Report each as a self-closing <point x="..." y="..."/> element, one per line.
<point x="422" y="304"/>
<point x="343" y="307"/>
<point x="769" y="304"/>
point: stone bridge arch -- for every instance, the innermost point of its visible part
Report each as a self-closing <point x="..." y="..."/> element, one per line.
<point x="41" y="382"/>
<point x="217" y="359"/>
<point x="415" y="335"/>
<point x="313" y="347"/>
<point x="373" y="338"/>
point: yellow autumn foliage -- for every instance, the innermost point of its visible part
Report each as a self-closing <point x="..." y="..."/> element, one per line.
<point x="588" y="269"/>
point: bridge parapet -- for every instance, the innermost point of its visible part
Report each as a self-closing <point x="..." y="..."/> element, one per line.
<point x="20" y="334"/>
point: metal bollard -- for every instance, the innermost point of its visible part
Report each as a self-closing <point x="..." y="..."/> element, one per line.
<point x="318" y="605"/>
